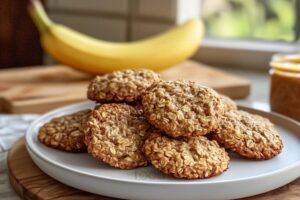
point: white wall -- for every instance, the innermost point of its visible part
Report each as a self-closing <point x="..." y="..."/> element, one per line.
<point x="115" y="19"/>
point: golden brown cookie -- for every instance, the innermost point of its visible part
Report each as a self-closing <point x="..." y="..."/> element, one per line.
<point x="187" y="158"/>
<point x="121" y="86"/>
<point x="115" y="134"/>
<point x="229" y="104"/>
<point x="182" y="108"/>
<point x="249" y="135"/>
<point x="65" y="132"/>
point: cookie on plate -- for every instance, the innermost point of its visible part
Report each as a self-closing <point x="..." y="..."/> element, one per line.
<point x="249" y="135"/>
<point x="121" y="86"/>
<point x="65" y="132"/>
<point x="115" y="134"/>
<point x="182" y="108"/>
<point x="229" y="104"/>
<point x="187" y="158"/>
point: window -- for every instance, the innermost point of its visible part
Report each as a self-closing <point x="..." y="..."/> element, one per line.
<point x="270" y="20"/>
<point x="237" y="31"/>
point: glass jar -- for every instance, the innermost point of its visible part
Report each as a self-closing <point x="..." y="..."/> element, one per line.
<point x="285" y="88"/>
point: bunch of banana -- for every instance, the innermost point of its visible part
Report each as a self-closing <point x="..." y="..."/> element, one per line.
<point x="98" y="56"/>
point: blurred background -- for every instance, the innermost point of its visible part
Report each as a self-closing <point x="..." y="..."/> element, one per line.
<point x="252" y="19"/>
<point x="252" y="28"/>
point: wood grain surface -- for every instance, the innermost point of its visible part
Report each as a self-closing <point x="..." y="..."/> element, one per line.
<point x="32" y="184"/>
<point x="40" y="89"/>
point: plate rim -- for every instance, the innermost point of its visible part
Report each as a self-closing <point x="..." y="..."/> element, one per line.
<point x="28" y="136"/>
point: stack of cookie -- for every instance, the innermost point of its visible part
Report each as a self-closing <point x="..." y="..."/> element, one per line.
<point x="180" y="127"/>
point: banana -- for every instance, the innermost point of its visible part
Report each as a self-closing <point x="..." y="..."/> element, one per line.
<point x="96" y="56"/>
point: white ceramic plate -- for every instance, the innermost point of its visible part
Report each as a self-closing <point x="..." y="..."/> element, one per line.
<point x="243" y="178"/>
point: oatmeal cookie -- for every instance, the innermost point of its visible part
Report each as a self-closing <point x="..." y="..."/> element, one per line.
<point x="182" y="108"/>
<point x="121" y="86"/>
<point x="115" y="134"/>
<point x="229" y="104"/>
<point x="188" y="158"/>
<point x="65" y="132"/>
<point x="249" y="135"/>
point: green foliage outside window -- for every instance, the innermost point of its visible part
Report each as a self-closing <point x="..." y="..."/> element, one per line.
<point x="255" y="19"/>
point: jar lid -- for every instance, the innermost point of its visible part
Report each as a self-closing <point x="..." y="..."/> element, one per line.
<point x="293" y="58"/>
<point x="288" y="62"/>
<point x="286" y="66"/>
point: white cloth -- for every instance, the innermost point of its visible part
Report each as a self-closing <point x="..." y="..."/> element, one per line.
<point x="12" y="127"/>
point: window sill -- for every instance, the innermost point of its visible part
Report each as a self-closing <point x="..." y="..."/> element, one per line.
<point x="241" y="53"/>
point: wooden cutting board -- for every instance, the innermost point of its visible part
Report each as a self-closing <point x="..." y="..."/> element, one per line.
<point x="33" y="184"/>
<point x="40" y="89"/>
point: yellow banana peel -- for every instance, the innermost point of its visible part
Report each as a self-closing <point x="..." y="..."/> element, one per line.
<point x="97" y="56"/>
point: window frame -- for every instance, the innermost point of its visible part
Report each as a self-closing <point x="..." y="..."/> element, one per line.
<point x="243" y="53"/>
<point x="297" y="24"/>
<point x="246" y="54"/>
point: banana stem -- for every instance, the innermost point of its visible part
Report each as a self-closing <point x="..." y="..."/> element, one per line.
<point x="39" y="15"/>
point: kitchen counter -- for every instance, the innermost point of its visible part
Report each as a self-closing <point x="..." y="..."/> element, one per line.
<point x="260" y="84"/>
